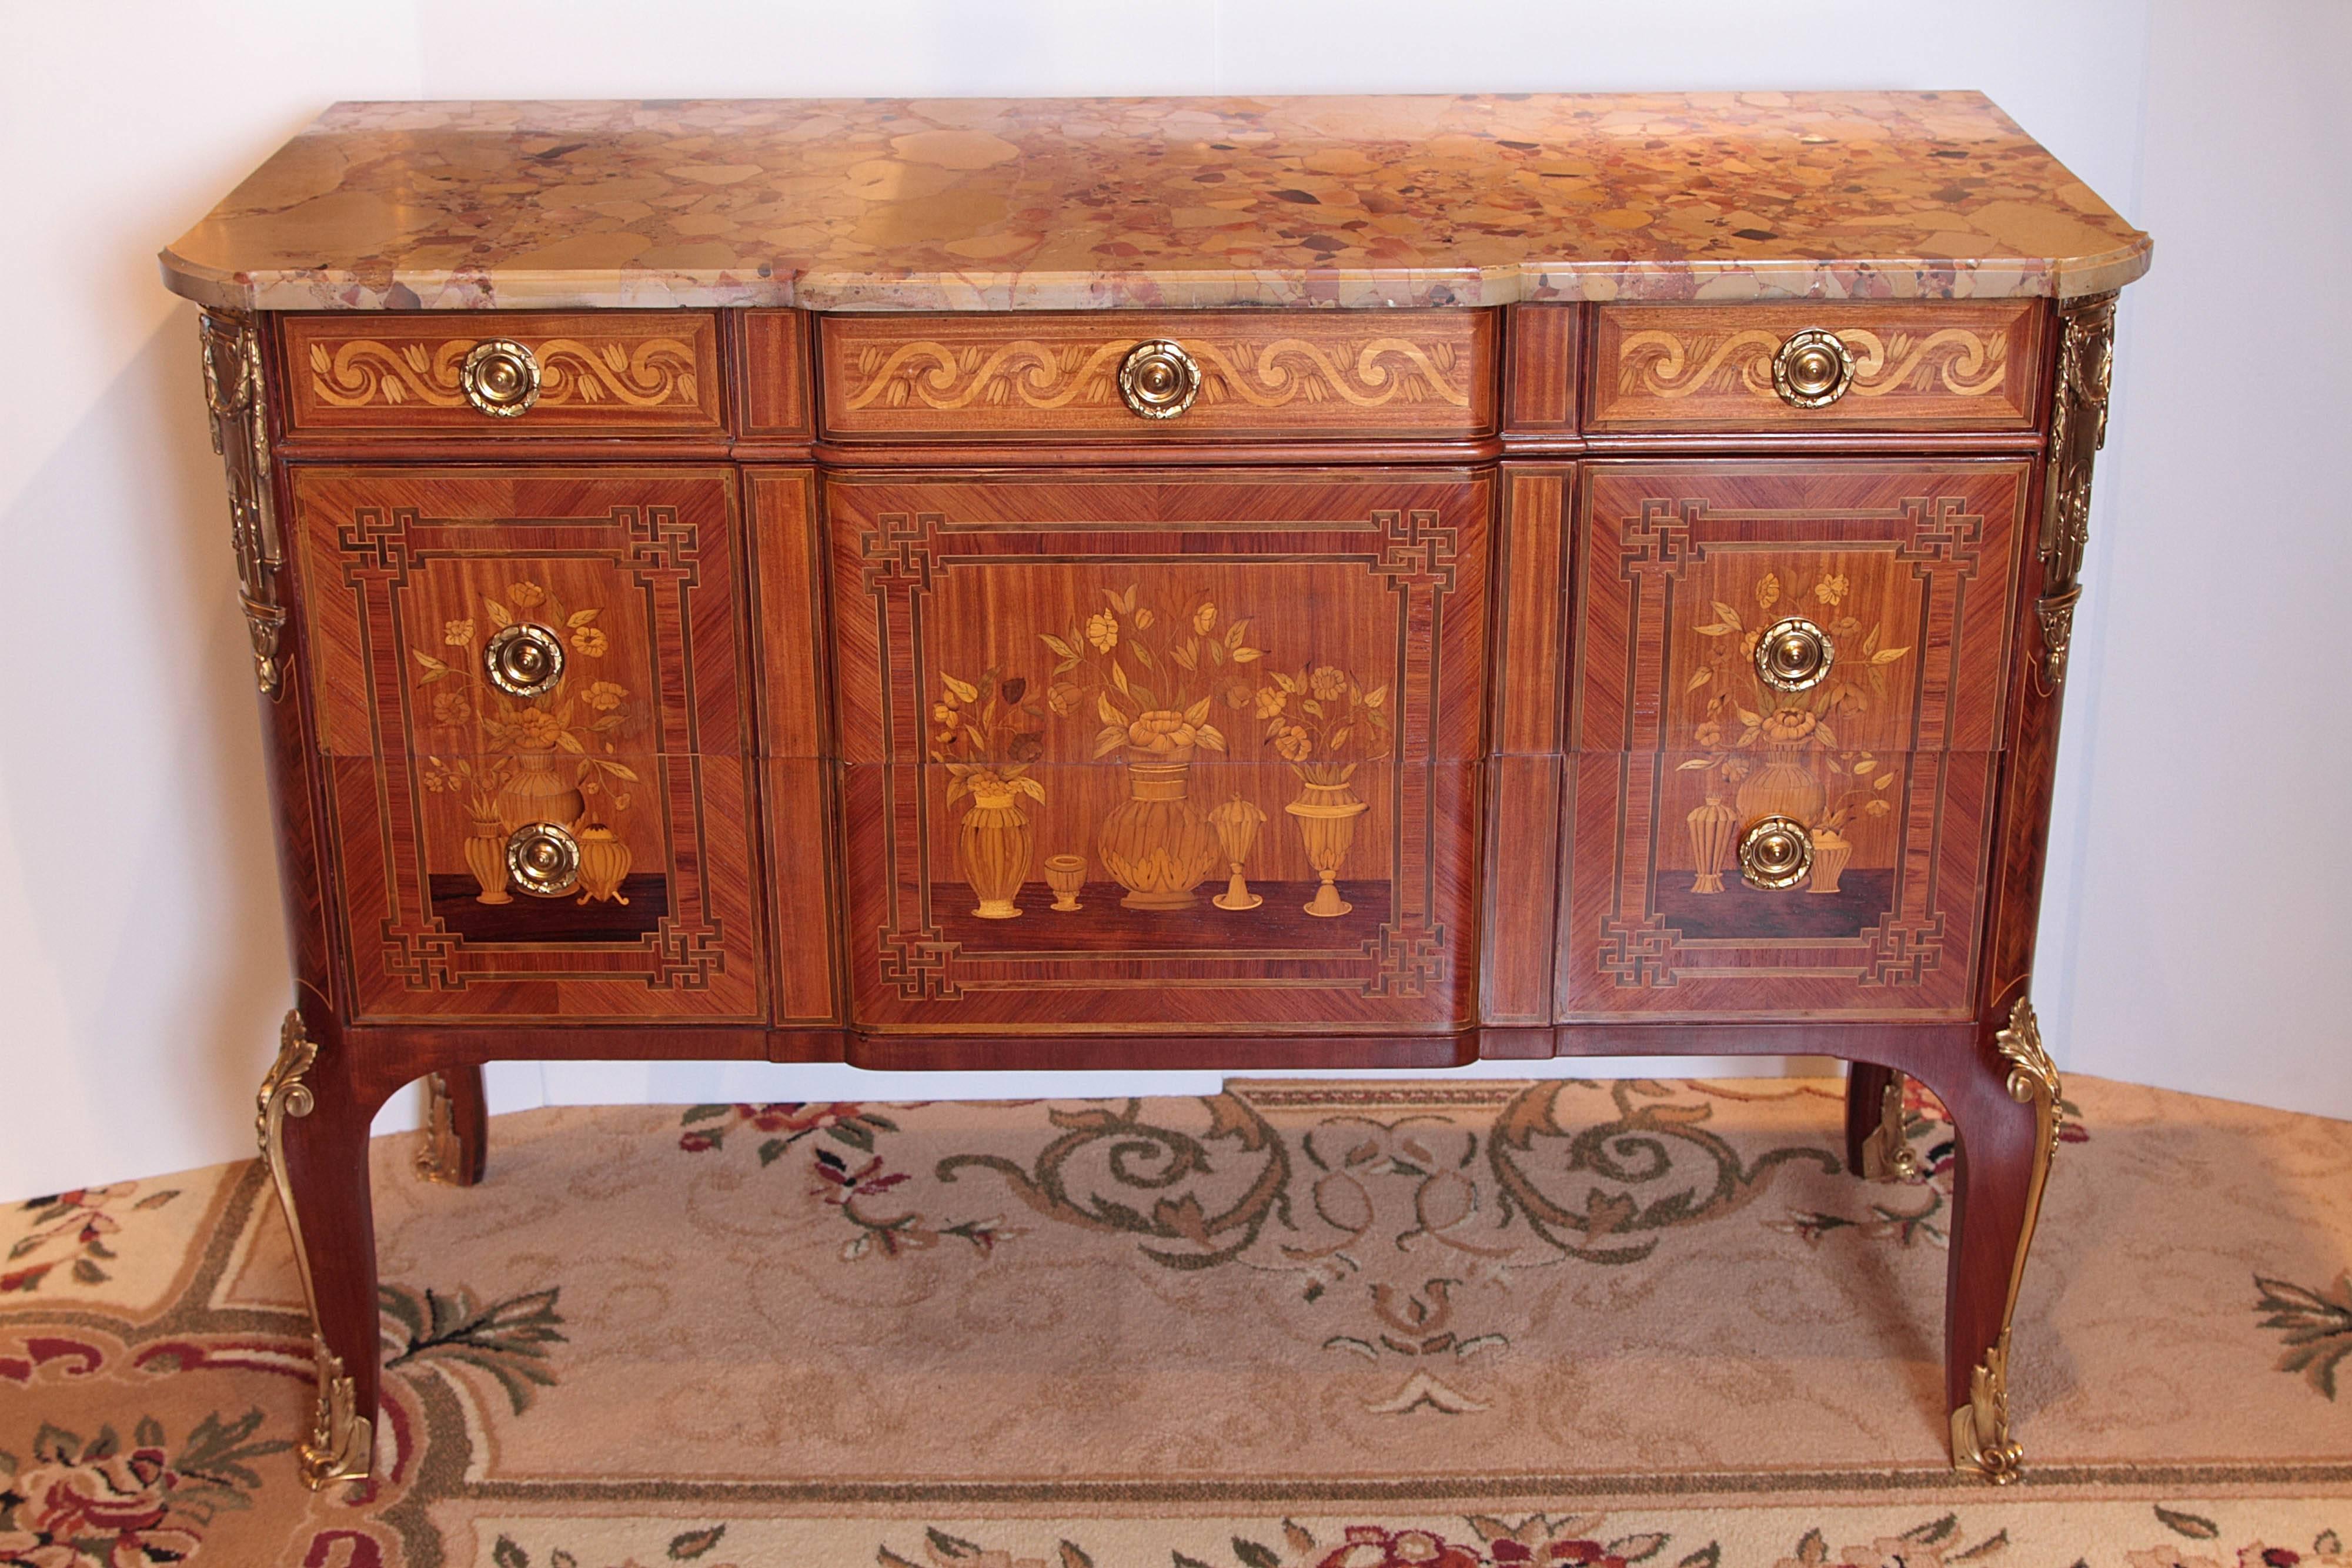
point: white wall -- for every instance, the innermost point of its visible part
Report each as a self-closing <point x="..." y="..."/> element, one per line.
<point x="2193" y="935"/>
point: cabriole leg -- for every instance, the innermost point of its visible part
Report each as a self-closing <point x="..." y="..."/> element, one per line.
<point x="313" y="1130"/>
<point x="456" y="1127"/>
<point x="1876" y="1148"/>
<point x="2007" y="1118"/>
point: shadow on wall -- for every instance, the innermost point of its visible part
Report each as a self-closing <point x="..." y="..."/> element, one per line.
<point x="144" y="991"/>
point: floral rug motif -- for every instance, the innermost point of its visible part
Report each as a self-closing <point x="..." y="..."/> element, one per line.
<point x="1298" y="1324"/>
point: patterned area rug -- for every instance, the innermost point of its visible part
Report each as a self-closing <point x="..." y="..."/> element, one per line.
<point x="1292" y="1325"/>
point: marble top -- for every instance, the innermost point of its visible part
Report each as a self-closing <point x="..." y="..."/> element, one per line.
<point x="1079" y="203"/>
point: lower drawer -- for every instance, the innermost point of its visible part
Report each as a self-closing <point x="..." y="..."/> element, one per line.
<point x="1208" y="894"/>
<point x="1659" y="919"/>
<point x="640" y="905"/>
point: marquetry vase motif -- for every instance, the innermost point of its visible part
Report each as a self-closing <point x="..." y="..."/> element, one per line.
<point x="1782" y="787"/>
<point x="486" y="857"/>
<point x="1065" y="874"/>
<point x="605" y="862"/>
<point x="538" y="793"/>
<point x="1326" y="817"/>
<point x="1156" y="843"/>
<point x="1713" y="827"/>
<point x="1236" y="821"/>
<point x="994" y="843"/>
<point x="1831" y="850"/>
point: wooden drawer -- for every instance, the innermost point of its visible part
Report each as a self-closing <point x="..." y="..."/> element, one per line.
<point x="604" y="373"/>
<point x="1347" y="374"/>
<point x="1904" y="570"/>
<point x="1657" y="922"/>
<point x="1074" y="676"/>
<point x="408" y="575"/>
<point x="1956" y="366"/>
<point x="661" y="924"/>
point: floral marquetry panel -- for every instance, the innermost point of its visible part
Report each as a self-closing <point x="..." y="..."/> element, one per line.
<point x="527" y="683"/>
<point x="1890" y="366"/>
<point x="610" y="372"/>
<point x="1346" y="373"/>
<point x="1896" y="580"/>
<point x="1161" y="690"/>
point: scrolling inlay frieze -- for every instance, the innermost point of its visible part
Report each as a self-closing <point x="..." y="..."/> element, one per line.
<point x="1678" y="364"/>
<point x="364" y="372"/>
<point x="1038" y="375"/>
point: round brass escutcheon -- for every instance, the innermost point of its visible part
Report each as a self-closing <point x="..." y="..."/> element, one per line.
<point x="1775" y="852"/>
<point x="1794" y="655"/>
<point x="500" y="377"/>
<point x="1159" y="380"/>
<point x="1813" y="370"/>
<point x="524" y="660"/>
<point x="543" y="859"/>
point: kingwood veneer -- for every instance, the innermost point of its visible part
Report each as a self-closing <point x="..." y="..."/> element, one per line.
<point x="876" y="582"/>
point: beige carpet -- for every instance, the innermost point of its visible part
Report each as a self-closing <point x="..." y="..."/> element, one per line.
<point x="1356" y="1324"/>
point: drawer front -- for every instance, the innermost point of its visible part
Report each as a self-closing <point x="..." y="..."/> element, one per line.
<point x="1392" y="374"/>
<point x="1896" y="580"/>
<point x="623" y="582"/>
<point x="607" y="373"/>
<point x="1147" y="692"/>
<point x="650" y="913"/>
<point x="1919" y="367"/>
<point x="1659" y="921"/>
<point x="625" y="579"/>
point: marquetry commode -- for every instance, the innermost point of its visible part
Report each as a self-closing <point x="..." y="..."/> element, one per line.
<point x="1189" y="582"/>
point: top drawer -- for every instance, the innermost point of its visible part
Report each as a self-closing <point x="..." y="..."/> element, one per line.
<point x="509" y="373"/>
<point x="1129" y="375"/>
<point x="1968" y="365"/>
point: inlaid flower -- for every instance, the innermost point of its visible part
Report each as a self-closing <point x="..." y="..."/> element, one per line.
<point x="604" y="695"/>
<point x="537" y="728"/>
<point x="1162" y="732"/>
<point x="451" y="707"/>
<point x="1271" y="701"/>
<point x="1710" y="735"/>
<point x="457" y="633"/>
<point x="1328" y="682"/>
<point x="1788" y="725"/>
<point x="1102" y="631"/>
<point x="1294" y="744"/>
<point x="526" y="594"/>
<point x="1830" y="589"/>
<point x="1144" y="618"/>
<point x="589" y="639"/>
<point x="1203" y="618"/>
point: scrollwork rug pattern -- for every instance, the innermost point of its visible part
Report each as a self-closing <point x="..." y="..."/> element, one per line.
<point x="1294" y="1324"/>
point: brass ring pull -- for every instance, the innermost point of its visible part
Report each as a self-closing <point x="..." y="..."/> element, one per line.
<point x="543" y="859"/>
<point x="1775" y="853"/>
<point x="1794" y="655"/>
<point x="1813" y="370"/>
<point x="524" y="660"/>
<point x="500" y="377"/>
<point x="1159" y="380"/>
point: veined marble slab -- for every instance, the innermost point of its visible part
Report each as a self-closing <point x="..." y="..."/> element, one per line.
<point x="1085" y="204"/>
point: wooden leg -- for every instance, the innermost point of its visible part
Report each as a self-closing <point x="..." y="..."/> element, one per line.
<point x="1867" y="1086"/>
<point x="2007" y="1118"/>
<point x="456" y="1127"/>
<point x="313" y="1126"/>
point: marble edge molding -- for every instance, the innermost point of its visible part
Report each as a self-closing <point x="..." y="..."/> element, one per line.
<point x="1848" y="278"/>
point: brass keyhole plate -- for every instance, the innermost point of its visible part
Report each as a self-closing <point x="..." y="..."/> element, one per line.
<point x="524" y="660"/>
<point x="1794" y="655"/>
<point x="543" y="859"/>
<point x="1813" y="369"/>
<point x="500" y="378"/>
<point x="1159" y="380"/>
<point x="1775" y="853"/>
